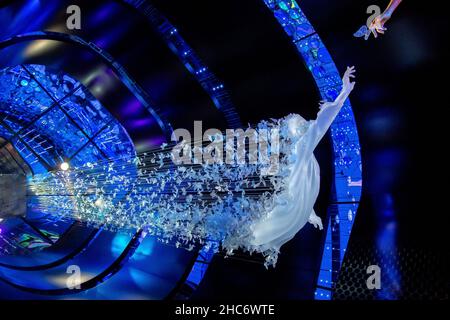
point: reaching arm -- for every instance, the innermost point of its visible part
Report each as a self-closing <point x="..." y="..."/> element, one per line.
<point x="377" y="25"/>
<point x="329" y="110"/>
<point x="391" y="7"/>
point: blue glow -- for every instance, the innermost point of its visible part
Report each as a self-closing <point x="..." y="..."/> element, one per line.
<point x="192" y="62"/>
<point x="386" y="244"/>
<point x="348" y="169"/>
<point x="144" y="250"/>
<point x="50" y="117"/>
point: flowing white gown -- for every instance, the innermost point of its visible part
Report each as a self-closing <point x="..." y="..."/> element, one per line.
<point x="295" y="206"/>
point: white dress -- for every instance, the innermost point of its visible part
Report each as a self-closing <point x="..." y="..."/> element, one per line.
<point x="295" y="206"/>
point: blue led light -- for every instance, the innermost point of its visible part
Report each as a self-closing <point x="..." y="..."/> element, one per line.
<point x="208" y="81"/>
<point x="56" y="123"/>
<point x="347" y="155"/>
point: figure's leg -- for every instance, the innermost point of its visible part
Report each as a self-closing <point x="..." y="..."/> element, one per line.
<point x="315" y="220"/>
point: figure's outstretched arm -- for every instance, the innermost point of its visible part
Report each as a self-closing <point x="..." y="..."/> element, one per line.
<point x="391" y="7"/>
<point x="377" y="25"/>
<point x="329" y="110"/>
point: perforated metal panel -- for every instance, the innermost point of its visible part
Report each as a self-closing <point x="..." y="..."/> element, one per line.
<point x="405" y="273"/>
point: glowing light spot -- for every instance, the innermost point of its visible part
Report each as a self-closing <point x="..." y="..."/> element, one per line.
<point x="64" y="166"/>
<point x="40" y="47"/>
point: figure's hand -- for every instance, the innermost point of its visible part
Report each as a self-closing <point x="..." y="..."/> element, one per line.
<point x="377" y="25"/>
<point x="348" y="85"/>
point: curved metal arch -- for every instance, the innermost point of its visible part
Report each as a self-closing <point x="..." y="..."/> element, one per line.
<point x="344" y="134"/>
<point x="95" y="281"/>
<point x="133" y="87"/>
<point x="82" y="247"/>
<point x="141" y="96"/>
<point x="120" y="71"/>
<point x="192" y="62"/>
<point x="347" y="156"/>
<point x="76" y="251"/>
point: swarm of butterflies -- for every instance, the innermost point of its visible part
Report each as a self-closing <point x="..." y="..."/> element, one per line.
<point x="184" y="205"/>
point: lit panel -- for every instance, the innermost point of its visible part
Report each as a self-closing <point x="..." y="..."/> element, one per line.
<point x="89" y="153"/>
<point x="344" y="134"/>
<point x="114" y="141"/>
<point x="21" y="98"/>
<point x="57" y="85"/>
<point x="31" y="159"/>
<point x="86" y="111"/>
<point x="63" y="133"/>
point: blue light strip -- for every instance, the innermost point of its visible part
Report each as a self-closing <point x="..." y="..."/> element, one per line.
<point x="209" y="82"/>
<point x="347" y="157"/>
<point x="118" y="69"/>
<point x="33" y="130"/>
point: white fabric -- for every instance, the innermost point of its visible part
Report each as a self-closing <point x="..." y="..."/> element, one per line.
<point x="295" y="206"/>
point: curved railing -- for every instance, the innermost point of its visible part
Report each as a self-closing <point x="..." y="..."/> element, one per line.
<point x="347" y="156"/>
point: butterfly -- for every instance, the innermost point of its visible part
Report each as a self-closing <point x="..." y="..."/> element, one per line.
<point x="362" y="32"/>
